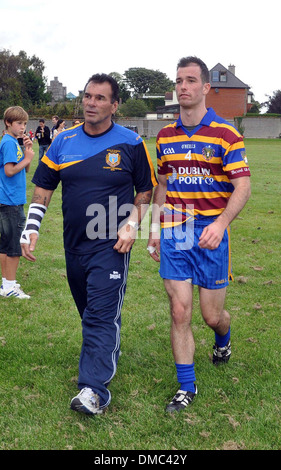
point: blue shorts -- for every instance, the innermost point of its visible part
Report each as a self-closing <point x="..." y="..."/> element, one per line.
<point x="12" y="221"/>
<point x="182" y="259"/>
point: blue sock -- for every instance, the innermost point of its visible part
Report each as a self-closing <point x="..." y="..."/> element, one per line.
<point x="186" y="377"/>
<point x="222" y="340"/>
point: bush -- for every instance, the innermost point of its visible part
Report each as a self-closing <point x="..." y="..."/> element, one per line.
<point x="133" y="108"/>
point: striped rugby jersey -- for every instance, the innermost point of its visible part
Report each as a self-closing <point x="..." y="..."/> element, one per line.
<point x="199" y="166"/>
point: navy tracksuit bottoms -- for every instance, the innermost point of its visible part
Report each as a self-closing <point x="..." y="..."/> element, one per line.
<point x="98" y="282"/>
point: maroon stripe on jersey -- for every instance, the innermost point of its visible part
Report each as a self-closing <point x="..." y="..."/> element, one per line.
<point x="217" y="132"/>
<point x="172" y="131"/>
<point x="201" y="203"/>
<point x="213" y="168"/>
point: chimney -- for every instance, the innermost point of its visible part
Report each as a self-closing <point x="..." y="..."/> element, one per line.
<point x="231" y="69"/>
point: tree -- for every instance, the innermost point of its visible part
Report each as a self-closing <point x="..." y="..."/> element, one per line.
<point x="21" y="80"/>
<point x="34" y="86"/>
<point x="274" y="103"/>
<point x="124" y="93"/>
<point x="142" y="80"/>
<point x="256" y="108"/>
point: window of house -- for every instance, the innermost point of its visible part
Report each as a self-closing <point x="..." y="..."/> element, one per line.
<point x="215" y="76"/>
<point x="218" y="76"/>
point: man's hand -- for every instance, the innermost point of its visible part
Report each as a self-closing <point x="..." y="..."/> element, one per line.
<point x="153" y="246"/>
<point x="212" y="236"/>
<point x="28" y="246"/>
<point x="126" y="238"/>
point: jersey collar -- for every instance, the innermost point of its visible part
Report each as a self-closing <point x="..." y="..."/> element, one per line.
<point x="206" y="121"/>
<point x="99" y="135"/>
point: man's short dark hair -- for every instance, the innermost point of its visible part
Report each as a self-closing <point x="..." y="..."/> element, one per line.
<point x="102" y="78"/>
<point x="186" y="61"/>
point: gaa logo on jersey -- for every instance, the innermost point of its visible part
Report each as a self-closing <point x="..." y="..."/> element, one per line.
<point x="113" y="158"/>
<point x="208" y="152"/>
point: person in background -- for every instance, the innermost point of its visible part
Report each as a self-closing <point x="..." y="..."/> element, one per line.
<point x="59" y="127"/>
<point x="42" y="135"/>
<point x="13" y="166"/>
<point x="54" y="122"/>
<point x="203" y="185"/>
<point x="20" y="142"/>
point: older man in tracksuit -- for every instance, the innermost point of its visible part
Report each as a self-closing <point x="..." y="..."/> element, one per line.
<point x="107" y="178"/>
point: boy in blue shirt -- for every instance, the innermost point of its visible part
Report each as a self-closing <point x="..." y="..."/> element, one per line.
<point x="13" y="166"/>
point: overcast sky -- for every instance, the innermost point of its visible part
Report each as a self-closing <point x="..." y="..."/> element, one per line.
<point x="77" y="39"/>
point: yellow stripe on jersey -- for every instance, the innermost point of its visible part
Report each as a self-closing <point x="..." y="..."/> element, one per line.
<point x="230" y="275"/>
<point x="55" y="166"/>
<point x="159" y="162"/>
<point x="195" y="212"/>
<point x="65" y="165"/>
<point x="195" y="156"/>
<point x="193" y="138"/>
<point x="208" y="212"/>
<point x="153" y="178"/>
<point x="236" y="146"/>
<point x="170" y="140"/>
<point x="225" y="126"/>
<point x="49" y="163"/>
<point x="235" y="166"/>
<point x="198" y="195"/>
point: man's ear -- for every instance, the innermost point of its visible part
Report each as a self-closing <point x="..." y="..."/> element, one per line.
<point x="206" y="88"/>
<point x="114" y="107"/>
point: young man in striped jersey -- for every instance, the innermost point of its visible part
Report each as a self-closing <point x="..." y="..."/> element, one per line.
<point x="203" y="185"/>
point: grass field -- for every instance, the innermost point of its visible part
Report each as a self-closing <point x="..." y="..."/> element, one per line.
<point x="237" y="407"/>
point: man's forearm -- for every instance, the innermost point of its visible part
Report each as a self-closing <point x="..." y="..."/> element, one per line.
<point x="237" y="201"/>
<point x="42" y="196"/>
<point x="159" y="199"/>
<point x="141" y="204"/>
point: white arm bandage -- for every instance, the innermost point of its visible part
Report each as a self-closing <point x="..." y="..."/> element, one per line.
<point x="34" y="218"/>
<point x="154" y="227"/>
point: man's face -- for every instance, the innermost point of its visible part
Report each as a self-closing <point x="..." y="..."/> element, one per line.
<point x="41" y="124"/>
<point x="190" y="90"/>
<point x="97" y="105"/>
